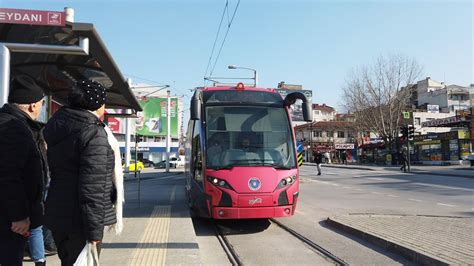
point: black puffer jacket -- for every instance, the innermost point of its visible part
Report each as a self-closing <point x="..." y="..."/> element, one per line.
<point x="21" y="169"/>
<point x="81" y="162"/>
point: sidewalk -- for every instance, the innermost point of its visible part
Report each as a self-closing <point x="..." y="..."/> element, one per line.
<point x="157" y="230"/>
<point x="426" y="240"/>
<point x="452" y="170"/>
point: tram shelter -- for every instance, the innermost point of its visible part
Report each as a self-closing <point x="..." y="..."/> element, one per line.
<point x="58" y="54"/>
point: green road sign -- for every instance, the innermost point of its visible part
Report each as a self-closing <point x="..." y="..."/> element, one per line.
<point x="406" y="115"/>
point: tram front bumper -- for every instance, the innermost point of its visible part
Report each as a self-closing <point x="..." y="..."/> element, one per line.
<point x="252" y="213"/>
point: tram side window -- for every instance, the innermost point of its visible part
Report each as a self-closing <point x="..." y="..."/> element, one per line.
<point x="196" y="155"/>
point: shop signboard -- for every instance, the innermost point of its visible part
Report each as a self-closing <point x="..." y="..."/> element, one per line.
<point x="152" y="121"/>
<point x="441" y="122"/>
<point x="296" y="109"/>
<point x="433" y="108"/>
<point x="344" y="146"/>
<point x="114" y="124"/>
<point x="32" y="17"/>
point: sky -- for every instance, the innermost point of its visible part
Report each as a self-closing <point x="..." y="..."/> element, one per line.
<point x="312" y="43"/>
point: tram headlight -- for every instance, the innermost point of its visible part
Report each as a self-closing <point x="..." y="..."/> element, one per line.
<point x="218" y="182"/>
<point x="286" y="181"/>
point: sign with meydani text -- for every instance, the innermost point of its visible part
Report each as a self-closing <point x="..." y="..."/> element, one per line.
<point x="32" y="17"/>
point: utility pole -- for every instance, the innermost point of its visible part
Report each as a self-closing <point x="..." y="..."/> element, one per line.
<point x="168" y="133"/>
<point x="128" y="132"/>
<point x="406" y="117"/>
<point x="311" y="141"/>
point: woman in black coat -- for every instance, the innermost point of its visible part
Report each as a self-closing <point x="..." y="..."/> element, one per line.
<point x="81" y="194"/>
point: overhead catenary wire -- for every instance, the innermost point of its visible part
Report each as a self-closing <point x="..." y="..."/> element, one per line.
<point x="229" y="24"/>
<point x="217" y="37"/>
<point x="225" y="37"/>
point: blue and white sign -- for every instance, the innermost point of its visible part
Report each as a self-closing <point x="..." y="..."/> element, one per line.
<point x="254" y="183"/>
<point x="299" y="147"/>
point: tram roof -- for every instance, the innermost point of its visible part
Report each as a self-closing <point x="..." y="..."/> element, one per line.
<point x="233" y="88"/>
<point x="56" y="73"/>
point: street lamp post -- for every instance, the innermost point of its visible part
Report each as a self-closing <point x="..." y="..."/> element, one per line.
<point x="255" y="76"/>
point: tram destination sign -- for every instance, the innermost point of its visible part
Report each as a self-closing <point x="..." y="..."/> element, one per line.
<point x="32" y="17"/>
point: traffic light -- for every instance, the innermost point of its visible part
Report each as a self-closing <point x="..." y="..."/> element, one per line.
<point x="411" y="132"/>
<point x="138" y="138"/>
<point x="404" y="131"/>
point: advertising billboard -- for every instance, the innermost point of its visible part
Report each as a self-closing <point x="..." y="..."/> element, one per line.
<point x="153" y="120"/>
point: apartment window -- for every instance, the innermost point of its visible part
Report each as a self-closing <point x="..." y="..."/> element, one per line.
<point x="330" y="134"/>
<point x="417" y="121"/>
<point x="350" y="134"/>
<point x="340" y="134"/>
<point x="317" y="134"/>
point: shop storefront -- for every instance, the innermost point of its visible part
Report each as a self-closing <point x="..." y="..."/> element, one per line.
<point x="442" y="147"/>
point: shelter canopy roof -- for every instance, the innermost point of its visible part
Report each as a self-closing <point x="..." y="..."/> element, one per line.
<point x="56" y="73"/>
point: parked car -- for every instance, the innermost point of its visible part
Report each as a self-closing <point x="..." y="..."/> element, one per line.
<point x="132" y="167"/>
<point x="471" y="158"/>
<point x="148" y="163"/>
<point x="174" y="163"/>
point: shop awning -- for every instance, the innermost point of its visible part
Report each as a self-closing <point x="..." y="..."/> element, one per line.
<point x="56" y="73"/>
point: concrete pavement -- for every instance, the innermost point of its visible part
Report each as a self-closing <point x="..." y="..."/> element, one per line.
<point x="426" y="240"/>
<point x="413" y="230"/>
<point x="157" y="227"/>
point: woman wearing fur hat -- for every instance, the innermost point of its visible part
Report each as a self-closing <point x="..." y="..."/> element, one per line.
<point x="82" y="197"/>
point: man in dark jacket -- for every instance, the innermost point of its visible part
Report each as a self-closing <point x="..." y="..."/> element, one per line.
<point x="81" y="193"/>
<point x="318" y="159"/>
<point x="22" y="168"/>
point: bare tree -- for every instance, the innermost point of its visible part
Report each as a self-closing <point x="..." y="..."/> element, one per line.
<point x="376" y="94"/>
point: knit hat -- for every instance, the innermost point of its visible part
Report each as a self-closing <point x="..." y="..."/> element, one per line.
<point x="24" y="90"/>
<point x="87" y="94"/>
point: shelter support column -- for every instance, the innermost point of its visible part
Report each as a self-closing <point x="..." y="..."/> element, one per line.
<point x="4" y="74"/>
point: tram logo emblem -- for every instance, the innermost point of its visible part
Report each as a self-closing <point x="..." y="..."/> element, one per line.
<point x="254" y="183"/>
<point x="255" y="201"/>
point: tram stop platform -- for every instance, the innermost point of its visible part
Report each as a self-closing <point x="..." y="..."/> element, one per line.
<point x="158" y="229"/>
<point x="425" y="240"/>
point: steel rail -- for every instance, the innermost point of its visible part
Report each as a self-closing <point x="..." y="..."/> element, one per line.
<point x="310" y="243"/>
<point x="228" y="248"/>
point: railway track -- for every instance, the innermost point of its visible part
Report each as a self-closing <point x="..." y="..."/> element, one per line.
<point x="228" y="248"/>
<point x="236" y="260"/>
<point x="317" y="248"/>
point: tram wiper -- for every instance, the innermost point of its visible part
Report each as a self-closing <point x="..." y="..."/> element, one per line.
<point x="277" y="166"/>
<point x="224" y="167"/>
<point x="274" y="165"/>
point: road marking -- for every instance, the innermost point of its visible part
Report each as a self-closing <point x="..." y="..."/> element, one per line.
<point x="332" y="184"/>
<point x="392" y="196"/>
<point x="358" y="189"/>
<point x="156" y="232"/>
<point x="417" y="200"/>
<point x="300" y="212"/>
<point x="173" y="195"/>
<point x="375" y="178"/>
<point x="444" y="204"/>
<point x="347" y="187"/>
<point x="447" y="187"/>
<point x="377" y="193"/>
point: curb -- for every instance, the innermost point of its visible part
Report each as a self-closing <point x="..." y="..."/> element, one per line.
<point x="411" y="172"/>
<point x="408" y="253"/>
<point x="441" y="174"/>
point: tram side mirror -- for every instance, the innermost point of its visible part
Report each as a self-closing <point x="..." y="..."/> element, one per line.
<point x="307" y="107"/>
<point x="196" y="107"/>
<point x="307" y="112"/>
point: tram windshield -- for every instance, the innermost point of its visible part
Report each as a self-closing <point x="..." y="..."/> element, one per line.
<point x="248" y="136"/>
